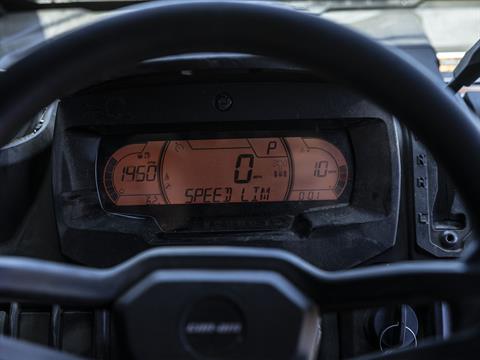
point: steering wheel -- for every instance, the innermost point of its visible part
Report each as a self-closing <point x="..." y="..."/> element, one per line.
<point x="232" y="302"/>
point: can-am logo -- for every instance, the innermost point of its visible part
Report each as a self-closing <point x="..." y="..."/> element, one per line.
<point x="206" y="328"/>
<point x="214" y="327"/>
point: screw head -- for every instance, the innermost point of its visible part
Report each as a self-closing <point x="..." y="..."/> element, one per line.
<point x="450" y="240"/>
<point x="223" y="102"/>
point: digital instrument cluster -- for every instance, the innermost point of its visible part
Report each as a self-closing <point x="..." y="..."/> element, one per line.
<point x="221" y="171"/>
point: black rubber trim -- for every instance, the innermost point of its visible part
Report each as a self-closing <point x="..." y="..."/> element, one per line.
<point x="102" y="334"/>
<point x="55" y="326"/>
<point x="13" y="316"/>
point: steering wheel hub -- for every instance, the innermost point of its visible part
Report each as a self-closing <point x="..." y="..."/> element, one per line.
<point x="221" y="314"/>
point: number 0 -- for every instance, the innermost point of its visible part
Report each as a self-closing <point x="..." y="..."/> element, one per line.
<point x="238" y="166"/>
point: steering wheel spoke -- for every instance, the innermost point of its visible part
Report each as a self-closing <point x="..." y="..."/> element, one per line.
<point x="380" y="284"/>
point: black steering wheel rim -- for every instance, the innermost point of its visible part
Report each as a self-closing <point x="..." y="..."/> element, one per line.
<point x="386" y="76"/>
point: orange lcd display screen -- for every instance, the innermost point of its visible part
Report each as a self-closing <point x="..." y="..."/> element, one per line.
<point x="216" y="171"/>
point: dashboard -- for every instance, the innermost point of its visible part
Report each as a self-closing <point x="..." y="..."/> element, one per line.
<point x="267" y="162"/>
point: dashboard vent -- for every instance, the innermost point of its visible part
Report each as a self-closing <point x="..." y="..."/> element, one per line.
<point x="84" y="332"/>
